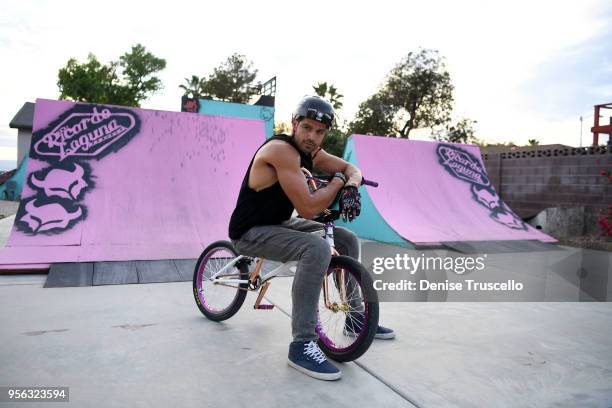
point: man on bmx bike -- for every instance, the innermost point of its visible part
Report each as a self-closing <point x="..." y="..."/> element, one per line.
<point x="261" y="224"/>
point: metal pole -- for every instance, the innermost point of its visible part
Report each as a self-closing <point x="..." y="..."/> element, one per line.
<point x="596" y="120"/>
<point x="580" y="131"/>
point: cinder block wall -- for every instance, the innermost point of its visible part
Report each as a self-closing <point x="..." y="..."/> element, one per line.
<point x="530" y="181"/>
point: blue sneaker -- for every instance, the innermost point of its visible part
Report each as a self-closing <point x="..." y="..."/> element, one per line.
<point x="352" y="326"/>
<point x="384" y="333"/>
<point x="307" y="357"/>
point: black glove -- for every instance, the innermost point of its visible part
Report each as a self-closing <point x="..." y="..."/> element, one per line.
<point x="350" y="203"/>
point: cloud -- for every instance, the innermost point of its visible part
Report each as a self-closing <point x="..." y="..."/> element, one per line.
<point x="517" y="66"/>
<point x="8" y="141"/>
<point x="572" y="80"/>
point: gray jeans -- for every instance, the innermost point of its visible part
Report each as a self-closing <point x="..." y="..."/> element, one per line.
<point x="293" y="240"/>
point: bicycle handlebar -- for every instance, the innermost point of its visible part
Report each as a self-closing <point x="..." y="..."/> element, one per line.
<point x="330" y="215"/>
<point x="368" y="182"/>
<point x="363" y="181"/>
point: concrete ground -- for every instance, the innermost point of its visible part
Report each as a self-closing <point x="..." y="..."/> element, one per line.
<point x="147" y="345"/>
<point x="5" y="228"/>
<point x="8" y="208"/>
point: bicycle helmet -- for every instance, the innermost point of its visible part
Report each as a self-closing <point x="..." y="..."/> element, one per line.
<point x="315" y="108"/>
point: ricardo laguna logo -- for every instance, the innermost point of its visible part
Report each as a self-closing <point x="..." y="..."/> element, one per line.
<point x="86" y="132"/>
<point x="83" y="133"/>
<point x="466" y="167"/>
<point x="463" y="165"/>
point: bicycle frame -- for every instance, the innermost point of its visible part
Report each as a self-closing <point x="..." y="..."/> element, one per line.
<point x="254" y="281"/>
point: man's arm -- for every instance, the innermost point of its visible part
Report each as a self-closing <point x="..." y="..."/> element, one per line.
<point x="330" y="164"/>
<point x="286" y="162"/>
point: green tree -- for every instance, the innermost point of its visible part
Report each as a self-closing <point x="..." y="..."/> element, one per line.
<point x="138" y="67"/>
<point x="334" y="141"/>
<point x="193" y="87"/>
<point x="329" y="92"/>
<point x="282" y="127"/>
<point x="232" y="81"/>
<point x="420" y="86"/>
<point x="95" y="82"/>
<point x="335" y="138"/>
<point x="533" y="142"/>
<point x="460" y="132"/>
<point x="417" y="93"/>
<point x="374" y="117"/>
<point x="90" y="81"/>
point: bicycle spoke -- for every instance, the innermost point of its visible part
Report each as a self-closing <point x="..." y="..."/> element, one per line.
<point x="344" y="316"/>
<point x="215" y="294"/>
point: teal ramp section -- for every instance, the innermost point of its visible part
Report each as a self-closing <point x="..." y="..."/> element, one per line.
<point x="240" y="110"/>
<point x="12" y="188"/>
<point x="370" y="224"/>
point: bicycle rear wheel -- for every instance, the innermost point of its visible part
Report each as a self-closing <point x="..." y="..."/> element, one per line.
<point x="348" y="310"/>
<point x="219" y="301"/>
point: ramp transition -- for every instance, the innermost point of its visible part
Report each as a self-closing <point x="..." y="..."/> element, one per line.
<point x="107" y="183"/>
<point x="431" y="193"/>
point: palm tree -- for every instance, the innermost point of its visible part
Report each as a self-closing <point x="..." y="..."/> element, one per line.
<point x="193" y="87"/>
<point x="330" y="93"/>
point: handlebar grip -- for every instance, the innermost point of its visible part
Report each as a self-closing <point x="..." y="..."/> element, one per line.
<point x="369" y="183"/>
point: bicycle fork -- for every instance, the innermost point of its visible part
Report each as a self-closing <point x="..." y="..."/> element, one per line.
<point x="338" y="276"/>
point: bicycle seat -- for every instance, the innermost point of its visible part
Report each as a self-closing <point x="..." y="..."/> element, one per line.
<point x="327" y="216"/>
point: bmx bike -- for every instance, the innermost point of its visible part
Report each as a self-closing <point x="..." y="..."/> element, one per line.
<point x="348" y="305"/>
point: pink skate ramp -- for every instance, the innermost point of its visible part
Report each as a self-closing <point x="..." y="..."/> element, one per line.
<point x="108" y="183"/>
<point x="434" y="192"/>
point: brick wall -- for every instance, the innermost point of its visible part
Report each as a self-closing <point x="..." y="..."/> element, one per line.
<point x="530" y="181"/>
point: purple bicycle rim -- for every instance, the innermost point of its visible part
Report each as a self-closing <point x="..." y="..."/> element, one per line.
<point x="199" y="280"/>
<point x="330" y="344"/>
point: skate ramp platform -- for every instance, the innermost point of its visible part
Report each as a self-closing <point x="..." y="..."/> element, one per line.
<point x="500" y="247"/>
<point x="121" y="272"/>
<point x="124" y="272"/>
<point x="106" y="183"/>
<point x="433" y="193"/>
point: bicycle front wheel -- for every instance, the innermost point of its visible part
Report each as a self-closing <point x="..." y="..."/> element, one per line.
<point x="219" y="300"/>
<point x="348" y="310"/>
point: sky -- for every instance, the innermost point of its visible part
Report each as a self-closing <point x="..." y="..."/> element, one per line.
<point x="522" y="69"/>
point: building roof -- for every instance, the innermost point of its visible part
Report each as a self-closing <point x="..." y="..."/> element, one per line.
<point x="24" y="118"/>
<point x="506" y="149"/>
<point x="265" y="100"/>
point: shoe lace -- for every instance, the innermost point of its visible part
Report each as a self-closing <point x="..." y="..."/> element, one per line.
<point x="312" y="350"/>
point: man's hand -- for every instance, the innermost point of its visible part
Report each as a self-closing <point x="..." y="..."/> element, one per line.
<point x="350" y="203"/>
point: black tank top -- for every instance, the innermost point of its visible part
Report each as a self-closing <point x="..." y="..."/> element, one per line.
<point x="269" y="206"/>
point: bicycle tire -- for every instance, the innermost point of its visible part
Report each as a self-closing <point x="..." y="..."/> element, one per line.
<point x="330" y="341"/>
<point x="203" y="299"/>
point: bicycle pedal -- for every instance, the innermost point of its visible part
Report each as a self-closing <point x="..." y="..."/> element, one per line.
<point x="265" y="307"/>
